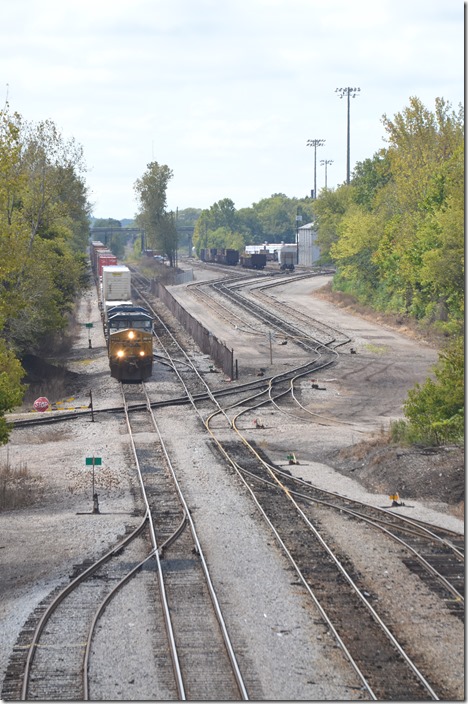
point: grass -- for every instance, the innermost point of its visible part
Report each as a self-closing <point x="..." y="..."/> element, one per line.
<point x="18" y="487"/>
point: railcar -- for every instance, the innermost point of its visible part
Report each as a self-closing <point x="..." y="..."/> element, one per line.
<point x="220" y="256"/>
<point x="129" y="331"/>
<point x="232" y="257"/>
<point x="253" y="261"/>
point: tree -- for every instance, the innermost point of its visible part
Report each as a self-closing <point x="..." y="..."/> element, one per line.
<point x="435" y="409"/>
<point x="43" y="223"/>
<point x="277" y="216"/>
<point x="369" y="177"/>
<point x="168" y="238"/>
<point x="330" y="207"/>
<point x="150" y="190"/>
<point x="410" y="198"/>
<point x="217" y="226"/>
<point x="107" y="222"/>
<point x="11" y="388"/>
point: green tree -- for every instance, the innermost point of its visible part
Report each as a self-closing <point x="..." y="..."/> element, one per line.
<point x="435" y="409"/>
<point x="43" y="223"/>
<point x="107" y="222"/>
<point x="217" y="226"/>
<point x="187" y="217"/>
<point x="11" y="388"/>
<point x="354" y="250"/>
<point x="330" y="207"/>
<point x="369" y="177"/>
<point x="277" y="216"/>
<point x="150" y="190"/>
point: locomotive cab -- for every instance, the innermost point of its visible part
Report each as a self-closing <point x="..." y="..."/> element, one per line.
<point x="130" y="343"/>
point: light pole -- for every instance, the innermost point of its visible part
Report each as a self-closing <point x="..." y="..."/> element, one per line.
<point x="349" y="92"/>
<point x="315" y="143"/>
<point x="326" y="162"/>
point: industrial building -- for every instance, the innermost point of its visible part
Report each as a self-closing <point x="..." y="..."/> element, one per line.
<point x="308" y="251"/>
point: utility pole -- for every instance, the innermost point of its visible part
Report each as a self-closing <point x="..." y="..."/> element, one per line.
<point x="326" y="162"/>
<point x="348" y="92"/>
<point x="298" y="224"/>
<point x="315" y="143"/>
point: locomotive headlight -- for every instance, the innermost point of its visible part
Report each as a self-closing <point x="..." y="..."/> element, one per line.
<point x="131" y="335"/>
<point x="142" y="354"/>
<point x="120" y="353"/>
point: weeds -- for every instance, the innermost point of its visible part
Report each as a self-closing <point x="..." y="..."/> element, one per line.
<point x="18" y="487"/>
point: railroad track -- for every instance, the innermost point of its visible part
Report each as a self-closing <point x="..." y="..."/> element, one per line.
<point x="393" y="674"/>
<point x="204" y="664"/>
<point x="51" y="663"/>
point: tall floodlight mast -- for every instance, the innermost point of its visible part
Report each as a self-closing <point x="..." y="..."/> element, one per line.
<point x="326" y="162"/>
<point x="315" y="143"/>
<point x="349" y="93"/>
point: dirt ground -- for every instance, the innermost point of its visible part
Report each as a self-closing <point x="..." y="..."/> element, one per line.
<point x="417" y="472"/>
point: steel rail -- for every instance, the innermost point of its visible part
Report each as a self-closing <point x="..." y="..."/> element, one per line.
<point x="60" y="598"/>
<point x="162" y="591"/>
<point x="426" y="531"/>
<point x="96" y="618"/>
<point x="302" y="578"/>
<point x="338" y="564"/>
<point x="214" y="598"/>
<point x="239" y="470"/>
<point x="381" y="524"/>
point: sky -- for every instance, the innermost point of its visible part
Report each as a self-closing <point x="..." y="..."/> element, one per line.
<point x="226" y="93"/>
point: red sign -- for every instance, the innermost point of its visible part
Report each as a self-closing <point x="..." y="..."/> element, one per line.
<point x="41" y="404"/>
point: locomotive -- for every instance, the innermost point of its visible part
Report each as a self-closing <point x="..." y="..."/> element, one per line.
<point x="130" y="342"/>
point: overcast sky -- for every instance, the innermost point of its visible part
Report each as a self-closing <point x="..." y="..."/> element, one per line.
<point x="224" y="92"/>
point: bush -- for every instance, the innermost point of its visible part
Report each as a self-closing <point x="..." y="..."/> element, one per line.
<point x="435" y="410"/>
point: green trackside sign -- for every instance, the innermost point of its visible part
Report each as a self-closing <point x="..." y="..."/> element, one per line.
<point x="94" y="461"/>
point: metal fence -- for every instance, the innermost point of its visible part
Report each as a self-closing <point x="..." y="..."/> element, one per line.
<point x="221" y="355"/>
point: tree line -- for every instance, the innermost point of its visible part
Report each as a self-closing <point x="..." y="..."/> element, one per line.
<point x="396" y="237"/>
<point x="44" y="230"/>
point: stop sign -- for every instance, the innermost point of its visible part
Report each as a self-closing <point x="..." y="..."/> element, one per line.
<point x="41" y="404"/>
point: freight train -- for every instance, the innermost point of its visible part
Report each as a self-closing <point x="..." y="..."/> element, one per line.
<point x="231" y="258"/>
<point x="220" y="256"/>
<point x="128" y="328"/>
